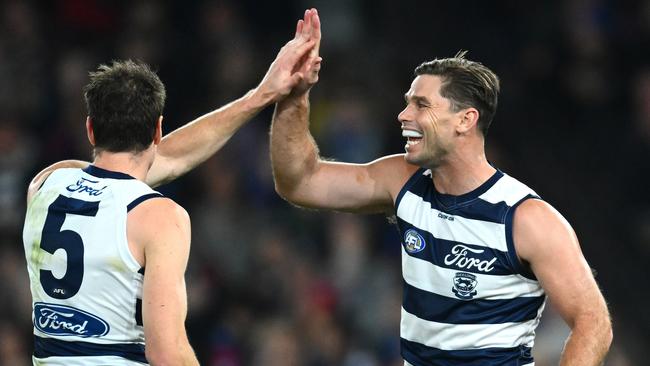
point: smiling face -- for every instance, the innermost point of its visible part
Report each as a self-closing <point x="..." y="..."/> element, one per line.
<point x="428" y="122"/>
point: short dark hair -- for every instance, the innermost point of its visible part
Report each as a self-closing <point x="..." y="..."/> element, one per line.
<point x="124" y="101"/>
<point x="466" y="84"/>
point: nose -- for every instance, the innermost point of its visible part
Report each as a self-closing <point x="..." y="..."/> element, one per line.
<point x="405" y="115"/>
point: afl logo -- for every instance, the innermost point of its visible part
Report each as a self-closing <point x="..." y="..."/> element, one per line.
<point x="413" y="241"/>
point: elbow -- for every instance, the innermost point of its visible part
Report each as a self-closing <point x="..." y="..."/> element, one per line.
<point x="287" y="192"/>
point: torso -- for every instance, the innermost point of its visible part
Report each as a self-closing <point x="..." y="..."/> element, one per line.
<point x="86" y="283"/>
<point x="467" y="298"/>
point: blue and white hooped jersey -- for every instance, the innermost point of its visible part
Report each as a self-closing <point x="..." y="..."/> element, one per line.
<point x="467" y="300"/>
<point x="86" y="285"/>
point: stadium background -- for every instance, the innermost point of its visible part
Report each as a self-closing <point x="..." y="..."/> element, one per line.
<point x="270" y="284"/>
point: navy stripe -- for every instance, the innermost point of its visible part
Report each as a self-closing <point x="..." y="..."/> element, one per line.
<point x="138" y="312"/>
<point x="420" y="355"/>
<point x="409" y="183"/>
<point x="513" y="258"/>
<point x="476" y="209"/>
<point x="436" y="250"/>
<point x="451" y="201"/>
<point x="433" y="307"/>
<point x="103" y="173"/>
<point x="141" y="199"/>
<point x="50" y="347"/>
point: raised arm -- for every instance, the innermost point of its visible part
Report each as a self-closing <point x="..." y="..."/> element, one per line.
<point x="193" y="143"/>
<point x="303" y="178"/>
<point x="545" y="240"/>
<point x="162" y="229"/>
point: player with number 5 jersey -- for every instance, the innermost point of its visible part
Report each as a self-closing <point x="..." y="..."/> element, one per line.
<point x="106" y="254"/>
<point x="85" y="282"/>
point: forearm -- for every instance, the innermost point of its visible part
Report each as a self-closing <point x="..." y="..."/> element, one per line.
<point x="190" y="145"/>
<point x="588" y="343"/>
<point x="181" y="354"/>
<point x="294" y="154"/>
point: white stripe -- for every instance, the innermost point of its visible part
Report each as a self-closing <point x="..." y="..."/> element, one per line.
<point x="414" y="210"/>
<point x="466" y="336"/>
<point x="508" y="190"/>
<point x="429" y="277"/>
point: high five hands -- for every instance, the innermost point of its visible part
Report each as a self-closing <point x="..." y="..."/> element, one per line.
<point x="295" y="68"/>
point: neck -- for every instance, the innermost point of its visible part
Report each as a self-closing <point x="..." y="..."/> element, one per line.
<point x="135" y="165"/>
<point x="462" y="172"/>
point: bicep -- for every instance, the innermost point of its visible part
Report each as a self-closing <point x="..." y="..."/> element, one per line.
<point x="163" y="170"/>
<point x="362" y="188"/>
<point x="546" y="241"/>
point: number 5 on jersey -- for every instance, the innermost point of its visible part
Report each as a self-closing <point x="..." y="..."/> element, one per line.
<point x="53" y="238"/>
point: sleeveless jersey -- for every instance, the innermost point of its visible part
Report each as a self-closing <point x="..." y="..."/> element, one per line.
<point x="86" y="286"/>
<point x="467" y="300"/>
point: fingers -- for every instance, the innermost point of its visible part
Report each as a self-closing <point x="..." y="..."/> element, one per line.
<point x="300" y="51"/>
<point x="315" y="25"/>
<point x="299" y="27"/>
<point x="307" y="24"/>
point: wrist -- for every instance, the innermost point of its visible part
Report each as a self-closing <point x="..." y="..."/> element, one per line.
<point x="257" y="99"/>
<point x="300" y="100"/>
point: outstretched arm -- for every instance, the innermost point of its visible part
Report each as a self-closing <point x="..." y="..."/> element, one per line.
<point x="305" y="179"/>
<point x="545" y="240"/>
<point x="193" y="143"/>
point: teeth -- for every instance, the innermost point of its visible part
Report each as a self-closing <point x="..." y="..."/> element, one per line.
<point x="412" y="142"/>
<point x="411" y="133"/>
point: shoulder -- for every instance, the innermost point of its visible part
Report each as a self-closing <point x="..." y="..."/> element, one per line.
<point x="539" y="228"/>
<point x="156" y="219"/>
<point x="393" y="170"/>
<point x="38" y="180"/>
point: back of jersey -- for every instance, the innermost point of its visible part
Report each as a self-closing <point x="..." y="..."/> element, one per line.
<point x="86" y="285"/>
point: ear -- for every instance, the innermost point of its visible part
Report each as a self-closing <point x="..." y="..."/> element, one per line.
<point x="468" y="120"/>
<point x="158" y="134"/>
<point x="89" y="131"/>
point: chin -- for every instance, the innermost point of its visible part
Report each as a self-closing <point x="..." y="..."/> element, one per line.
<point x="413" y="159"/>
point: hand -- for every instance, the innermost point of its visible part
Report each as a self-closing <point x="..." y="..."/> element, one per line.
<point x="311" y="63"/>
<point x="293" y="63"/>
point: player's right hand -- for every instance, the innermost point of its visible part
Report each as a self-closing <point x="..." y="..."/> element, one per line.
<point x="295" y="64"/>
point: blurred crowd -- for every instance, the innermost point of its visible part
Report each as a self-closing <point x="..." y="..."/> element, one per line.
<point x="270" y="284"/>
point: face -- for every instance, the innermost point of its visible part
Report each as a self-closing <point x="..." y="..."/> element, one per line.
<point x="428" y="123"/>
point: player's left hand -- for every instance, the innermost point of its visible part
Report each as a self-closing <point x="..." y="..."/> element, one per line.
<point x="295" y="64"/>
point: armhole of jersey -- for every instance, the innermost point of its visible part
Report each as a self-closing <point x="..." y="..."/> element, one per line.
<point x="141" y="199"/>
<point x="512" y="252"/>
<point x="127" y="256"/>
<point x="45" y="180"/>
<point x="409" y="183"/>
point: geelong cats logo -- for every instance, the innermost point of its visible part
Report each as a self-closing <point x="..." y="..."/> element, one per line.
<point x="413" y="241"/>
<point x="464" y="285"/>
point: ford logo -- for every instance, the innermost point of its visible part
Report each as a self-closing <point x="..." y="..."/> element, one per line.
<point x="61" y="320"/>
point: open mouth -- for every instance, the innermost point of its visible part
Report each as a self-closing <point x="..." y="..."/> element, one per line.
<point x="412" y="137"/>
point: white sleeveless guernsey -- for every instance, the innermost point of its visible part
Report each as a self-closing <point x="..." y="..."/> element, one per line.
<point x="86" y="286"/>
<point x="467" y="299"/>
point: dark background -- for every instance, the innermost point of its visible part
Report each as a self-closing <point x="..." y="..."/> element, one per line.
<point x="269" y="284"/>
